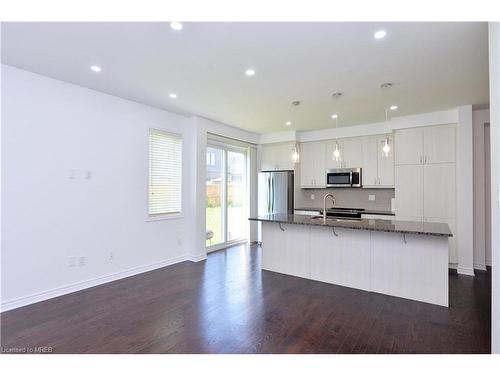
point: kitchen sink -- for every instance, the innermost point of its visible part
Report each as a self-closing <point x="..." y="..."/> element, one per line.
<point x="335" y="218"/>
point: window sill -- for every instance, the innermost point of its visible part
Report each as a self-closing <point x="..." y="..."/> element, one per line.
<point x="163" y="217"/>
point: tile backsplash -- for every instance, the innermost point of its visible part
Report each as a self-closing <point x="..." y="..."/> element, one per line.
<point x="355" y="198"/>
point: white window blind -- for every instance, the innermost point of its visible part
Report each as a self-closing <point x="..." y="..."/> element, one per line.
<point x="165" y="173"/>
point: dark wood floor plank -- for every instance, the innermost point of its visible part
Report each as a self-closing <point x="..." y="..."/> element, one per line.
<point x="226" y="304"/>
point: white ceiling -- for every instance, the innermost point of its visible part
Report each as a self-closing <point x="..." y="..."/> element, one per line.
<point x="433" y="66"/>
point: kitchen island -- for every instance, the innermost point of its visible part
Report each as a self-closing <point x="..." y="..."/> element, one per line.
<point x="398" y="258"/>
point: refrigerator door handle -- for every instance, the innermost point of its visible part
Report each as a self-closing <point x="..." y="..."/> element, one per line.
<point x="272" y="194"/>
<point x="268" y="194"/>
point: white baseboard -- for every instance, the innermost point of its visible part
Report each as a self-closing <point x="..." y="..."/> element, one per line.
<point x="488" y="262"/>
<point x="465" y="271"/>
<point x="453" y="266"/>
<point x="480" y="266"/>
<point x="71" y="288"/>
<point x="197" y="258"/>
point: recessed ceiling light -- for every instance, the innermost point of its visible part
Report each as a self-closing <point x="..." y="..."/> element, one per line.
<point x="288" y="123"/>
<point x="380" y="34"/>
<point x="393" y="107"/>
<point x="95" y="68"/>
<point x="173" y="95"/>
<point x="250" y="72"/>
<point x="334" y="116"/>
<point x="176" y="26"/>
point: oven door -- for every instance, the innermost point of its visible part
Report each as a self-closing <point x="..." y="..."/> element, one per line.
<point x="338" y="178"/>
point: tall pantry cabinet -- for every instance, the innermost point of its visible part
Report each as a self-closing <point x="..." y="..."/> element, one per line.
<point x="425" y="177"/>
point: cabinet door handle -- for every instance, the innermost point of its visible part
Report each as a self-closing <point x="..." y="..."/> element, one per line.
<point x="421" y="159"/>
<point x="425" y="159"/>
<point x="375" y="181"/>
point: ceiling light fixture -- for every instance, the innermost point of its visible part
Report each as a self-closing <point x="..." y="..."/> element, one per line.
<point x="393" y="107"/>
<point x="95" y="68"/>
<point x="380" y="34"/>
<point x="288" y="123"/>
<point x="334" y="116"/>
<point x="177" y="26"/>
<point x="173" y="95"/>
<point x="250" y="72"/>
<point x="386" y="148"/>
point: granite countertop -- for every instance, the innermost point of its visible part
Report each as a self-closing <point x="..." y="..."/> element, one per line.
<point x="363" y="210"/>
<point x="410" y="227"/>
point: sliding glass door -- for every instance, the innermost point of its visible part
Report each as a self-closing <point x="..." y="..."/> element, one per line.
<point x="227" y="195"/>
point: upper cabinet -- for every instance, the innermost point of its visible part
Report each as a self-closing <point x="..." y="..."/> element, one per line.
<point x="378" y="168"/>
<point x="439" y="145"/>
<point x="312" y="165"/>
<point x="351" y="153"/>
<point x="431" y="145"/>
<point x="409" y="146"/>
<point x="276" y="156"/>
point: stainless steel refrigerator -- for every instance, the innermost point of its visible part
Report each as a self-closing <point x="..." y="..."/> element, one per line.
<point x="275" y="192"/>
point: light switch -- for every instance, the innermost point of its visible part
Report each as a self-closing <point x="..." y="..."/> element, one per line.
<point x="312" y="197"/>
<point x="371" y="197"/>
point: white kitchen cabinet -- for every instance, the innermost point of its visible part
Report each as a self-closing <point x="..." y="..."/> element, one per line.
<point x="312" y="165"/>
<point x="409" y="146"/>
<point x="352" y="153"/>
<point x="378" y="169"/>
<point x="439" y="144"/>
<point x="439" y="190"/>
<point x="409" y="192"/>
<point x="429" y="145"/>
<point x="276" y="156"/>
<point x="425" y="177"/>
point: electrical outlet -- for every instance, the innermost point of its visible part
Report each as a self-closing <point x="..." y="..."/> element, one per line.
<point x="111" y="255"/>
<point x="179" y="242"/>
<point x="81" y="261"/>
<point x="312" y="197"/>
<point x="371" y="197"/>
<point x="71" y="174"/>
<point x="71" y="261"/>
<point x="88" y="175"/>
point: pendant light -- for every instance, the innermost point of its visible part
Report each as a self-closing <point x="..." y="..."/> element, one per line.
<point x="386" y="148"/>
<point x="336" y="151"/>
<point x="295" y="154"/>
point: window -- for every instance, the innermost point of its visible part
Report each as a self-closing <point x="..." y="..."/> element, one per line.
<point x="210" y="158"/>
<point x="165" y="173"/>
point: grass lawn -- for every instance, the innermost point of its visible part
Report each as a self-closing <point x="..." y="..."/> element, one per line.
<point x="214" y="224"/>
<point x="236" y="223"/>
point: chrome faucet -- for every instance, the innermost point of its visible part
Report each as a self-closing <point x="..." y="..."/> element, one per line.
<point x="324" y="204"/>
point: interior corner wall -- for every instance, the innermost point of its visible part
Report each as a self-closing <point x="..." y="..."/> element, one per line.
<point x="465" y="195"/>
<point x="494" y="66"/>
<point x="479" y="119"/>
<point x="74" y="185"/>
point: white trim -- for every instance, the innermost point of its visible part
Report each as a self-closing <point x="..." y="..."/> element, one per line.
<point x="75" y="287"/>
<point x="465" y="271"/>
<point x="226" y="245"/>
<point x="164" y="217"/>
<point x="453" y="266"/>
<point x="197" y="258"/>
<point x="488" y="262"/>
<point x="480" y="266"/>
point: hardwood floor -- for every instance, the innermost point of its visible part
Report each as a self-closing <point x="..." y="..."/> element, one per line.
<point x="228" y="305"/>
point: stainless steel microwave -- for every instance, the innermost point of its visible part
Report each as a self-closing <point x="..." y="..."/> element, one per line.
<point x="344" y="178"/>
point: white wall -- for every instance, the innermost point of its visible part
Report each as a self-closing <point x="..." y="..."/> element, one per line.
<point x="52" y="131"/>
<point x="494" y="57"/>
<point x="54" y="135"/>
<point x="479" y="119"/>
